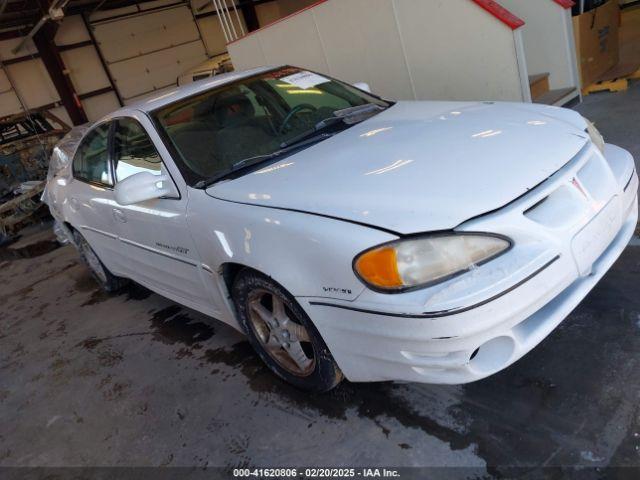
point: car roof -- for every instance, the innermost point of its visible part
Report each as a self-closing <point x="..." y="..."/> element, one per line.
<point x="178" y="93"/>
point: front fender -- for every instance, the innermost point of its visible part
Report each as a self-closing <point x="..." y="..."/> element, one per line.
<point x="309" y="255"/>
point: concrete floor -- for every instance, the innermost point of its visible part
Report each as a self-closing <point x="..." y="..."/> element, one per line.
<point x="135" y="380"/>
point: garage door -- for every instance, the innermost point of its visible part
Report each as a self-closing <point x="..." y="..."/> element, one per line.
<point x="146" y="52"/>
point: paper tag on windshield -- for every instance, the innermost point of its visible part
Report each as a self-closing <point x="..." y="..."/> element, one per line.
<point x="304" y="80"/>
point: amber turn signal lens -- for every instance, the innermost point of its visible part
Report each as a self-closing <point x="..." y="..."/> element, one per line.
<point x="379" y="267"/>
<point x="419" y="262"/>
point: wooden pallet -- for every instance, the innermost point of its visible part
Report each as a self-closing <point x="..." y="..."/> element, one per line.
<point x="613" y="85"/>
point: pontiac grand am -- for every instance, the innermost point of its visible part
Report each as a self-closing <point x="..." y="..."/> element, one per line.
<point x="348" y="235"/>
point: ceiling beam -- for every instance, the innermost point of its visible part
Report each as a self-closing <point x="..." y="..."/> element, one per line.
<point x="59" y="74"/>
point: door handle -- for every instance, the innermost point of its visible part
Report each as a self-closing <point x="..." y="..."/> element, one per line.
<point x="119" y="215"/>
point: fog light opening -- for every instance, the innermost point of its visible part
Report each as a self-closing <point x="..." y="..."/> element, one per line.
<point x="493" y="355"/>
<point x="473" y="355"/>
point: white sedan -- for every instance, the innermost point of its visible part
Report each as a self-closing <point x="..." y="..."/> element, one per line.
<point x="347" y="235"/>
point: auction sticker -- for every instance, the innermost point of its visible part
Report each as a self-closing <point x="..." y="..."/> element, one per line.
<point x="304" y="80"/>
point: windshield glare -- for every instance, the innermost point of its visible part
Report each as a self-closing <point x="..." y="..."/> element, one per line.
<point x="220" y="128"/>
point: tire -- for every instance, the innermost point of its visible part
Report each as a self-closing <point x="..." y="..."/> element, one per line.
<point x="282" y="334"/>
<point x="107" y="280"/>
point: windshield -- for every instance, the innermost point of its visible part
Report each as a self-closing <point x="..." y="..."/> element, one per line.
<point x="257" y="119"/>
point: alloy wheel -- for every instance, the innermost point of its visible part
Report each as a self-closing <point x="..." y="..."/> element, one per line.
<point x="283" y="337"/>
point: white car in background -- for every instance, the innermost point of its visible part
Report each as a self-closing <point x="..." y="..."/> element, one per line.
<point x="349" y="235"/>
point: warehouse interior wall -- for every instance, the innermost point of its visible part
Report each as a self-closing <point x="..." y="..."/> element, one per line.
<point x="209" y="25"/>
<point x="548" y="40"/>
<point x="85" y="69"/>
<point x="9" y="102"/>
<point x="400" y="47"/>
<point x="31" y="82"/>
<point x="147" y="51"/>
<point x="119" y="56"/>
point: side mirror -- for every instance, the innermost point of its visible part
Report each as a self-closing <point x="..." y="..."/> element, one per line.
<point x="363" y="86"/>
<point x="141" y="187"/>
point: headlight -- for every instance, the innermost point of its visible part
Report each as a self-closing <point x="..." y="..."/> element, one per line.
<point x="596" y="136"/>
<point x="424" y="261"/>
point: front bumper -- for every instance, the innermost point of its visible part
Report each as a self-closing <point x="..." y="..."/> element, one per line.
<point x="567" y="233"/>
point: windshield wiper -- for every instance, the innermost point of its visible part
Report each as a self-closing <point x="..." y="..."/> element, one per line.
<point x="304" y="135"/>
<point x="252" y="161"/>
<point x="349" y="116"/>
<point x="359" y="113"/>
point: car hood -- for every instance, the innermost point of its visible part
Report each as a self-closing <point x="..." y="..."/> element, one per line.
<point x="419" y="166"/>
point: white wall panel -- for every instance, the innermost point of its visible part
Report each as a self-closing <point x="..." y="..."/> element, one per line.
<point x="295" y="41"/>
<point x="71" y="30"/>
<point x="62" y="114"/>
<point x="33" y="83"/>
<point x="5" y="84"/>
<point x="341" y="38"/>
<point x="105" y="14"/>
<point x="212" y="33"/>
<point x="139" y="75"/>
<point x="85" y="69"/>
<point x="100" y="105"/>
<point x="374" y="42"/>
<point x="424" y="49"/>
<point x="548" y="40"/>
<point x="247" y="53"/>
<point x="30" y="78"/>
<point x="6" y="47"/>
<point x="455" y="50"/>
<point x="141" y="34"/>
<point x="149" y="51"/>
<point x="9" y="102"/>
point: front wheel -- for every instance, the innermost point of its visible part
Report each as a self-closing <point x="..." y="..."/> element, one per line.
<point x="282" y="334"/>
<point x="107" y="280"/>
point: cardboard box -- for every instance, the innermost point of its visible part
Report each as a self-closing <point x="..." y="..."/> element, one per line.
<point x="596" y="34"/>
